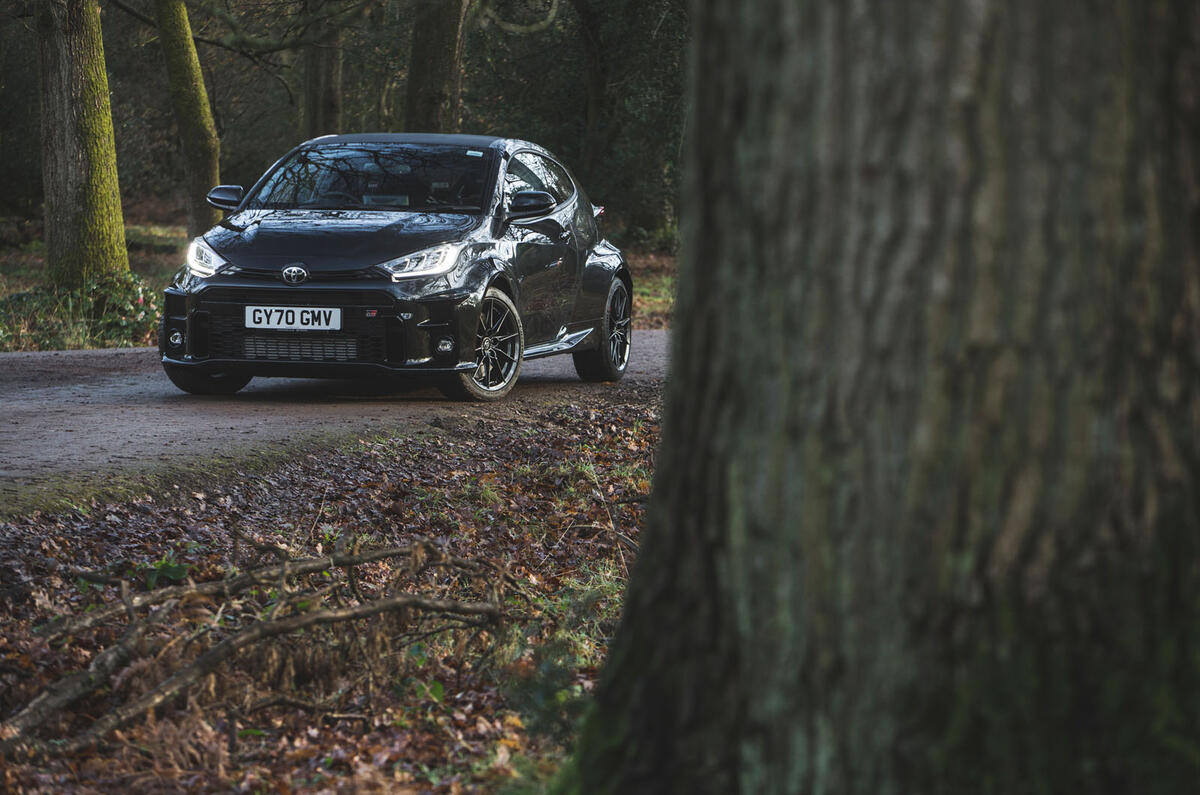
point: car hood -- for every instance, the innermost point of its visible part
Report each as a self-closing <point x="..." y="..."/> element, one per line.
<point x="332" y="240"/>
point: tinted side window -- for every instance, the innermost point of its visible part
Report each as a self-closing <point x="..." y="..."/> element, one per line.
<point x="558" y="180"/>
<point x="521" y="176"/>
<point x="548" y="173"/>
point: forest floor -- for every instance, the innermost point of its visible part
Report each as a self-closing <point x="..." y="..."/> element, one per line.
<point x="539" y="518"/>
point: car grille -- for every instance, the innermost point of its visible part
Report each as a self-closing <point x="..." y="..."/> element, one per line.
<point x="361" y="338"/>
<point x="329" y="348"/>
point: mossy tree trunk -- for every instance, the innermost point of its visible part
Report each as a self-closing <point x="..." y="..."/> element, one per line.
<point x="193" y="114"/>
<point x="434" y="90"/>
<point x="85" y="232"/>
<point x="926" y="515"/>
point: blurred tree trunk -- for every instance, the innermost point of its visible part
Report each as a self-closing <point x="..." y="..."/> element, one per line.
<point x="435" y="67"/>
<point x="925" y="516"/>
<point x="598" y="121"/>
<point x="85" y="232"/>
<point x="193" y="114"/>
<point x="322" y="96"/>
<point x="627" y="47"/>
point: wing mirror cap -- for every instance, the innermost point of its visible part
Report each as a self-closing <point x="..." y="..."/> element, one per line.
<point x="225" y="197"/>
<point x="529" y="204"/>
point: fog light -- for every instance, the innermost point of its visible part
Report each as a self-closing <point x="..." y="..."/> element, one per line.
<point x="176" y="339"/>
<point x="445" y="345"/>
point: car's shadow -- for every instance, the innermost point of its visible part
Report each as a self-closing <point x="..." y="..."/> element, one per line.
<point x="399" y="388"/>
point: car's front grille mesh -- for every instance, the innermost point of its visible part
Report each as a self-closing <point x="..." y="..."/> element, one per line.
<point x="362" y="339"/>
<point x="326" y="348"/>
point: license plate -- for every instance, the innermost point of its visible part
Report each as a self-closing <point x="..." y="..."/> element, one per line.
<point x="294" y="318"/>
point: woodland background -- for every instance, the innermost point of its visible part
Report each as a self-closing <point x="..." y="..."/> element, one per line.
<point x="598" y="83"/>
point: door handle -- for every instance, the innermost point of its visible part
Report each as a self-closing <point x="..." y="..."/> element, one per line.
<point x="555" y="264"/>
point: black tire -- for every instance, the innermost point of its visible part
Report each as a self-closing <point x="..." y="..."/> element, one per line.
<point x="198" y="382"/>
<point x="608" y="361"/>
<point x="499" y="352"/>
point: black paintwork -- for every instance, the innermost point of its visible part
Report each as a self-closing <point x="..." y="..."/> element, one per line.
<point x="553" y="264"/>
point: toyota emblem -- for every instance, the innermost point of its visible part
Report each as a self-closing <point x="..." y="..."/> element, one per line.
<point x="294" y="274"/>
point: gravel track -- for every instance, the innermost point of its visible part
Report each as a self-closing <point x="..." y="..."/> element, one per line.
<point x="89" y="414"/>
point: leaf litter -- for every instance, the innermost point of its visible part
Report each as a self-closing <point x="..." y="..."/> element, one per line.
<point x="553" y="498"/>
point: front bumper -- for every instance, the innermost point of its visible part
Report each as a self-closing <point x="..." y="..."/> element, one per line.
<point x="386" y="328"/>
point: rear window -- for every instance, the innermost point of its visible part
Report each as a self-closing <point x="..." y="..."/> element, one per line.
<point x="420" y="178"/>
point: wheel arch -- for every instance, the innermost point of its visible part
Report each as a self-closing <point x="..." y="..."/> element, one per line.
<point x="502" y="282"/>
<point x="626" y="276"/>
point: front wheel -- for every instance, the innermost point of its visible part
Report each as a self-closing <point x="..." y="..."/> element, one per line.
<point x="499" y="351"/>
<point x="609" y="360"/>
<point x="198" y="382"/>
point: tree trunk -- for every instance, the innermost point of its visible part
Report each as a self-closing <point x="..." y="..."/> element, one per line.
<point x="322" y="109"/>
<point x="85" y="232"/>
<point x="435" y="67"/>
<point x="596" y="113"/>
<point x="925" y="516"/>
<point x="193" y="114"/>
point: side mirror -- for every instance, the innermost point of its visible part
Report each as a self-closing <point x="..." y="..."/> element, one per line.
<point x="529" y="204"/>
<point x="225" y="197"/>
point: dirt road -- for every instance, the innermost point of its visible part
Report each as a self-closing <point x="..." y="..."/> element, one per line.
<point x="88" y="415"/>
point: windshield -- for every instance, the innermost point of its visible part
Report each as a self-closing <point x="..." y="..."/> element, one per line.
<point x="417" y="177"/>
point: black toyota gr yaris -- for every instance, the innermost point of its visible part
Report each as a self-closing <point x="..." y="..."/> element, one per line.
<point x="357" y="255"/>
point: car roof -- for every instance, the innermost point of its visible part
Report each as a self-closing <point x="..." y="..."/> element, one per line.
<point x="480" y="141"/>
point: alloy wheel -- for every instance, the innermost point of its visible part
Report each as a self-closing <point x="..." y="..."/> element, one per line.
<point x="497" y="346"/>
<point x="619" y="324"/>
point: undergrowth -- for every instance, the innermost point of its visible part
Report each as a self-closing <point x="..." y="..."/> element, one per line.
<point x="110" y="312"/>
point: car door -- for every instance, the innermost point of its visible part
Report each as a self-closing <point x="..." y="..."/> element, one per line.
<point x="544" y="254"/>
<point x="579" y="240"/>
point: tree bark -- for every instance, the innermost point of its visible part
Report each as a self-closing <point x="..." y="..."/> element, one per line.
<point x="323" y="87"/>
<point x="433" y="94"/>
<point x="596" y="113"/>
<point x="925" y="516"/>
<point x="85" y="232"/>
<point x="193" y="114"/>
<point x="322" y="109"/>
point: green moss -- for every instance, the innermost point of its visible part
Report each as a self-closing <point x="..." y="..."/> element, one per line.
<point x="201" y="146"/>
<point x="84" y="209"/>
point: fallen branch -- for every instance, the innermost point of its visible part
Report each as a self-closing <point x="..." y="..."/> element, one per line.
<point x="71" y="688"/>
<point x="210" y="660"/>
<point x="232" y="586"/>
<point x="295" y="703"/>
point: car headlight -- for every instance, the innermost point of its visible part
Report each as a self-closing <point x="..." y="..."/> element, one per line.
<point x="202" y="261"/>
<point x="428" y="262"/>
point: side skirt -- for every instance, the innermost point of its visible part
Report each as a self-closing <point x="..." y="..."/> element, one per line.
<point x="564" y="343"/>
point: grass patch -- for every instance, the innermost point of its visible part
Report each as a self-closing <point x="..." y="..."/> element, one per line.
<point x="653" y="289"/>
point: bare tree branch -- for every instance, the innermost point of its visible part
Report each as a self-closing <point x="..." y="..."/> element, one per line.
<point x="490" y="14"/>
